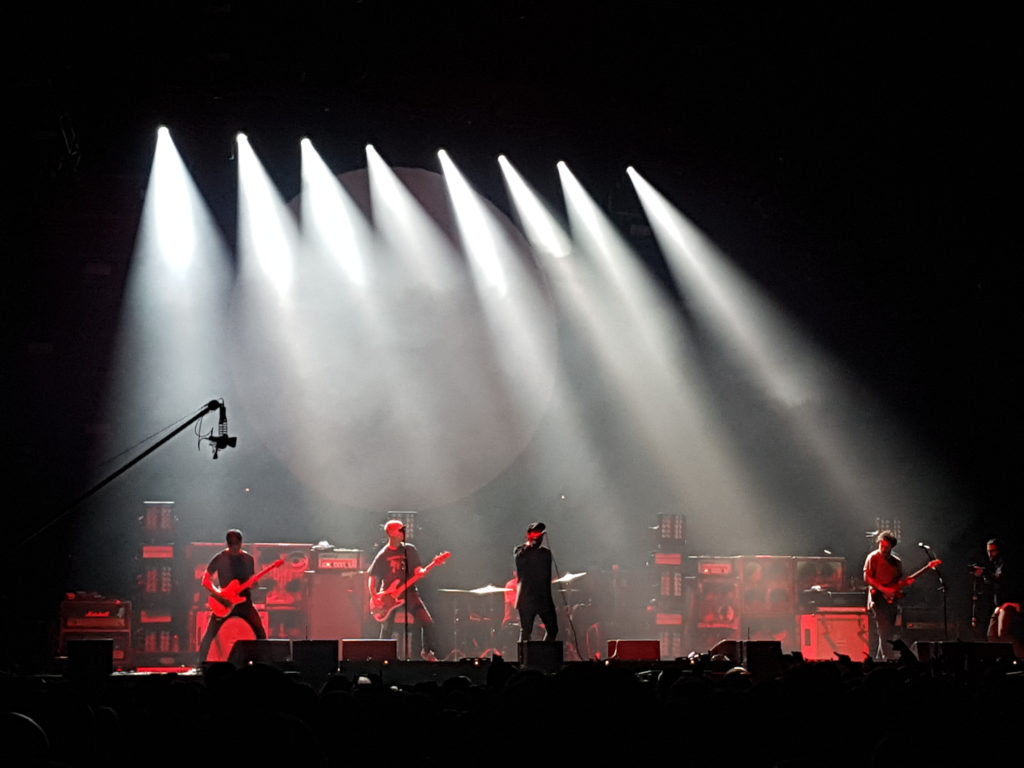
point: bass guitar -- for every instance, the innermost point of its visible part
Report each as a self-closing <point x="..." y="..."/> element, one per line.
<point x="387" y="600"/>
<point x="894" y="594"/>
<point x="225" y="601"/>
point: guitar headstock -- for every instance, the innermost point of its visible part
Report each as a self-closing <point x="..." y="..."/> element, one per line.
<point x="441" y="558"/>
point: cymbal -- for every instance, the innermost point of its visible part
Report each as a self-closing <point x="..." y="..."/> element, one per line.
<point x="488" y="590"/>
<point x="567" y="577"/>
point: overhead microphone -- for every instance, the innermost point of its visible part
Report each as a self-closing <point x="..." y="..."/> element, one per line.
<point x="222" y="440"/>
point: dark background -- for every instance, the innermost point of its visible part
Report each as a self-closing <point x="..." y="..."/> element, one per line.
<point x="855" y="162"/>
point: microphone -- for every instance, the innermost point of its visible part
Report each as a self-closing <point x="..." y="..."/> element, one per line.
<point x="222" y="440"/>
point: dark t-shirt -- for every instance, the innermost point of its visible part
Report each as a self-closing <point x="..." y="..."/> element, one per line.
<point x="229" y="567"/>
<point x="1005" y="588"/>
<point x="533" y="566"/>
<point x="390" y="564"/>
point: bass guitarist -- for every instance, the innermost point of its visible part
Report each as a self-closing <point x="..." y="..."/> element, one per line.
<point x="230" y="565"/>
<point x="395" y="564"/>
<point x="883" y="573"/>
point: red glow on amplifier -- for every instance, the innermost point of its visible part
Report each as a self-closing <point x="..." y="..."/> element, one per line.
<point x="715" y="568"/>
<point x="668" y="558"/>
<point x="155" y="552"/>
<point x="668" y="619"/>
<point x="338" y="564"/>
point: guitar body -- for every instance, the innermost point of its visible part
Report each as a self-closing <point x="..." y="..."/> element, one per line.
<point x="230" y="596"/>
<point x="877" y="594"/>
<point x="387" y="600"/>
<point x="224" y="602"/>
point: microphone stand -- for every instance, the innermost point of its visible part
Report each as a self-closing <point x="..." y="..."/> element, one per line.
<point x="565" y="603"/>
<point x="943" y="589"/>
<point x="977" y="581"/>
<point x="406" y="646"/>
<point x="210" y="407"/>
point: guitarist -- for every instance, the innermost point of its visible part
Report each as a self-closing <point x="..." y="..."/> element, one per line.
<point x="883" y="573"/>
<point x="396" y="563"/>
<point x="231" y="564"/>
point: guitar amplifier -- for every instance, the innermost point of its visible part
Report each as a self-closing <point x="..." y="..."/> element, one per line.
<point x="109" y="615"/>
<point x="827" y="632"/>
<point x="97" y="620"/>
<point x="337" y="604"/>
<point x="120" y="644"/>
<point x="715" y="566"/>
<point x="338" y="559"/>
<point x="818" y="599"/>
<point x="766" y="585"/>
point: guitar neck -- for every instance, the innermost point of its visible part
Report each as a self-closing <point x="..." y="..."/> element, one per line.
<point x="415" y="577"/>
<point x="420" y="574"/>
<point x="918" y="572"/>
<point x="253" y="579"/>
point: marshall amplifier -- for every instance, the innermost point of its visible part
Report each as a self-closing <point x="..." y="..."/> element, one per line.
<point x="95" y="614"/>
<point x="82" y="620"/>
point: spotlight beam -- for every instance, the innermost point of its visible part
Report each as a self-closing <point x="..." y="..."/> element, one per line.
<point x="641" y="344"/>
<point x="331" y="220"/>
<point x="478" y="236"/>
<point x="804" y="379"/>
<point x="544" y="233"/>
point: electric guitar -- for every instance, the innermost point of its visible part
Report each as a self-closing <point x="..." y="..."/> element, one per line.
<point x="387" y="600"/>
<point x="897" y="592"/>
<point x="225" y="601"/>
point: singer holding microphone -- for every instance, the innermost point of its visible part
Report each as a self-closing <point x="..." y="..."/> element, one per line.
<point x="533" y="570"/>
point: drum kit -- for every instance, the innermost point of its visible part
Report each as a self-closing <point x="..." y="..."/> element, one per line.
<point x="483" y="626"/>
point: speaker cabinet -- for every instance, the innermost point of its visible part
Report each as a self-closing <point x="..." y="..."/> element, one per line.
<point x="761" y="658"/>
<point x="634" y="650"/>
<point x="337" y="604"/>
<point x="369" y="650"/>
<point x="961" y="654"/>
<point x="823" y="635"/>
<point x="315" y="659"/>
<point x="90" y="658"/>
<point x="545" y="655"/>
<point x="261" y="652"/>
